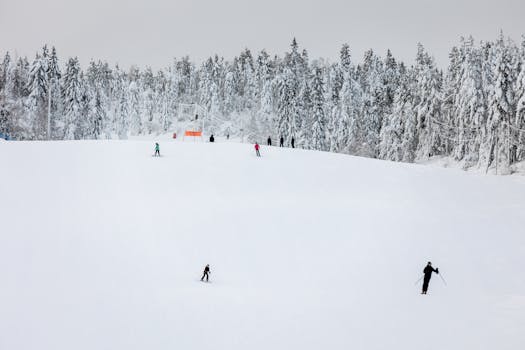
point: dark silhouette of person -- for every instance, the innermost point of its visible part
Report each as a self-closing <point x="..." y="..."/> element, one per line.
<point x="227" y="136"/>
<point x="293" y="142"/>
<point x="281" y="142"/>
<point x="257" y="149"/>
<point x="206" y="273"/>
<point x="428" y="274"/>
<point x="196" y="116"/>
<point x="269" y="141"/>
<point x="212" y="139"/>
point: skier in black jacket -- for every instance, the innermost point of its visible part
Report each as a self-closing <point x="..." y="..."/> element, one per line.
<point x="269" y="141"/>
<point x="428" y="273"/>
<point x="281" y="142"/>
<point x="293" y="142"/>
<point x="206" y="273"/>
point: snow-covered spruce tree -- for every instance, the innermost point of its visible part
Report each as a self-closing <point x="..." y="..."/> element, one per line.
<point x="351" y="104"/>
<point x="518" y="132"/>
<point x="287" y="109"/>
<point x="305" y="106"/>
<point x="37" y="102"/>
<point x="501" y="108"/>
<point x="5" y="95"/>
<point x="14" y="96"/>
<point x="98" y="115"/>
<point x="334" y="85"/>
<point x="86" y="120"/>
<point x="318" y="131"/>
<point x="55" y="94"/>
<point x="147" y="101"/>
<point x="486" y="135"/>
<point x="123" y="126"/>
<point x="266" y="114"/>
<point x="230" y="100"/>
<point x="209" y="88"/>
<point x="162" y="104"/>
<point x="5" y="73"/>
<point x="442" y="138"/>
<point x="135" y="102"/>
<point x="469" y="108"/>
<point x="370" y="121"/>
<point x="72" y="96"/>
<point x="427" y="101"/>
<point x="397" y="136"/>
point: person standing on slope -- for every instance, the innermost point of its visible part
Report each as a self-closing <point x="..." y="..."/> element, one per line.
<point x="257" y="149"/>
<point x="281" y="142"/>
<point x="428" y="274"/>
<point x="212" y="139"/>
<point x="206" y="273"/>
<point x="269" y="141"/>
<point x="157" y="149"/>
<point x="293" y="142"/>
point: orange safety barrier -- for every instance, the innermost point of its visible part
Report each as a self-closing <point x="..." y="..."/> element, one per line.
<point x="193" y="133"/>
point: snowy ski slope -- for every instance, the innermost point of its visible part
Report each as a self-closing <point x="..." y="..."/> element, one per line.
<point x="102" y="247"/>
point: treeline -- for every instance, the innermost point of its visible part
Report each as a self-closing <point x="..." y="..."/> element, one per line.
<point x="474" y="111"/>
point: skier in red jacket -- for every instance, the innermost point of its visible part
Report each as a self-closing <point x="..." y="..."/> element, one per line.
<point x="257" y="149"/>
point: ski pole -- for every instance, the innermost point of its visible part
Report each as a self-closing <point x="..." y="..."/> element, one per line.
<point x="419" y="280"/>
<point x="439" y="274"/>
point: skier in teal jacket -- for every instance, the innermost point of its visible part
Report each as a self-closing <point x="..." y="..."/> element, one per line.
<point x="157" y="149"/>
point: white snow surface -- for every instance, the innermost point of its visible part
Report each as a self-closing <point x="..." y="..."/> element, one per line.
<point x="102" y="247"/>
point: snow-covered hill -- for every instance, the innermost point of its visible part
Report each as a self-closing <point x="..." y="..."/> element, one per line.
<point x="102" y="247"/>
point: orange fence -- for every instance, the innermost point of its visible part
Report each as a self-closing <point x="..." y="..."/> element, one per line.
<point x="193" y="133"/>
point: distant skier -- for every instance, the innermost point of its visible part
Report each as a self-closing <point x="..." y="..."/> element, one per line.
<point x="281" y="142"/>
<point x="212" y="139"/>
<point x="293" y="142"/>
<point x="428" y="273"/>
<point x="157" y="149"/>
<point x="227" y="136"/>
<point x="269" y="141"/>
<point x="257" y="149"/>
<point x="206" y="273"/>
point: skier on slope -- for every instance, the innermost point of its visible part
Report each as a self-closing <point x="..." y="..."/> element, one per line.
<point x="269" y="141"/>
<point x="257" y="149"/>
<point x="157" y="149"/>
<point x="293" y="142"/>
<point x="428" y="273"/>
<point x="206" y="273"/>
<point x="212" y="139"/>
<point x="281" y="142"/>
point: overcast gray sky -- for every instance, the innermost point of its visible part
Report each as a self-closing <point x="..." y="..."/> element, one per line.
<point x="152" y="32"/>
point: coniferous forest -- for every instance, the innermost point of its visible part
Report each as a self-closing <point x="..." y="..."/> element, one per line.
<point x="473" y="111"/>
